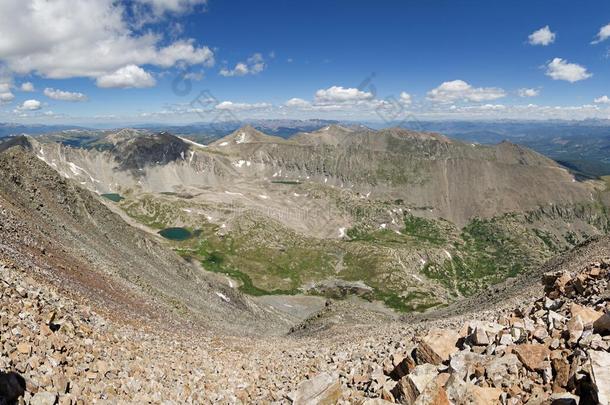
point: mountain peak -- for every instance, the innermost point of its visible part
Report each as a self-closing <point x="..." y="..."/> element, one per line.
<point x="17" y="141"/>
<point x="247" y="134"/>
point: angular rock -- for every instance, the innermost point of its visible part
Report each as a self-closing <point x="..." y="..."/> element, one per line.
<point x="588" y="315"/>
<point x="602" y="325"/>
<point x="533" y="356"/>
<point x="437" y="346"/>
<point x="575" y="328"/>
<point x="460" y="392"/>
<point x="434" y="394"/>
<point x="322" y="389"/>
<point x="411" y="386"/>
<point x="43" y="398"/>
<point x="600" y="370"/>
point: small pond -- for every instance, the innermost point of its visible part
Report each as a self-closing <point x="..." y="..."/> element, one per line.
<point x="176" y="233"/>
<point x="113" y="197"/>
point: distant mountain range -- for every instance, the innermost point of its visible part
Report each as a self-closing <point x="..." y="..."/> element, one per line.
<point x="582" y="146"/>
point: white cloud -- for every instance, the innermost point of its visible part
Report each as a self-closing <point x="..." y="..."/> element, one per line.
<point x="297" y="103"/>
<point x="529" y="92"/>
<point x="30" y="105"/>
<point x="560" y="69"/>
<point x="27" y="86"/>
<point x="456" y="90"/>
<point x="253" y="65"/>
<point x="172" y="6"/>
<point x="602" y="35"/>
<point x="602" y="100"/>
<point x="341" y="95"/>
<point x="544" y="36"/>
<point x="405" y="98"/>
<point x="127" y="77"/>
<point x="231" y="106"/>
<point x="81" y="38"/>
<point x="64" y="95"/>
<point x="6" y="95"/>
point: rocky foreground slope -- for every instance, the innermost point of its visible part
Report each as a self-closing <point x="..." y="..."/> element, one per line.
<point x="554" y="349"/>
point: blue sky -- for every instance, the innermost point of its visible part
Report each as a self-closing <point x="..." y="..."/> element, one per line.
<point x="358" y="60"/>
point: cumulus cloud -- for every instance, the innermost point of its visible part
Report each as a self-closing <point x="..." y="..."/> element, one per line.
<point x="297" y="103"/>
<point x="6" y="95"/>
<point x="602" y="100"/>
<point x="253" y="65"/>
<point x="544" y="36"/>
<point x="231" y="106"/>
<point x="560" y="69"/>
<point x="405" y="98"/>
<point x="456" y="90"/>
<point x="64" y="95"/>
<point x="127" y="77"/>
<point x="528" y="92"/>
<point x="81" y="38"/>
<point x="602" y="35"/>
<point x="30" y="105"/>
<point x="27" y="87"/>
<point x="341" y="95"/>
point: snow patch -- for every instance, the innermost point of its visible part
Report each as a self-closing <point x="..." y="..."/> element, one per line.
<point x="448" y="254"/>
<point x="187" y="210"/>
<point x="240" y="163"/>
<point x="230" y="193"/>
<point x="383" y="226"/>
<point x="192" y="142"/>
<point x="241" y="138"/>
<point x="341" y="232"/>
<point x="223" y="297"/>
<point x="263" y="196"/>
<point x="224" y="144"/>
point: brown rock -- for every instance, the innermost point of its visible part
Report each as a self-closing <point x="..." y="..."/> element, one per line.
<point x="588" y="315"/>
<point x="460" y="392"/>
<point x="532" y="356"/>
<point x="434" y="394"/>
<point x="602" y="325"/>
<point x="575" y="328"/>
<point x="411" y="386"/>
<point x="322" y="389"/>
<point x="561" y="369"/>
<point x="479" y="337"/>
<point x="24" y="348"/>
<point x="437" y="346"/>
